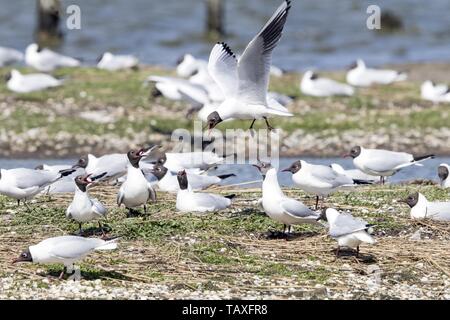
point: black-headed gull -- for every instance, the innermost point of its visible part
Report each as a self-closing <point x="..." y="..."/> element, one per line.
<point x="361" y="76"/>
<point x="136" y="191"/>
<point x="318" y="179"/>
<point x="203" y="160"/>
<point x="64" y="250"/>
<point x="354" y="174"/>
<point x="24" y="83"/>
<point x="347" y="230"/>
<point x="245" y="82"/>
<point x="443" y="173"/>
<point x="83" y="208"/>
<point x="190" y="201"/>
<point x="112" y="62"/>
<point x="63" y="185"/>
<point x="46" y="60"/>
<point x="436" y="92"/>
<point x="421" y="208"/>
<point x="280" y="207"/>
<point x="24" y="184"/>
<point x="168" y="182"/>
<point x="180" y="89"/>
<point x="384" y="163"/>
<point x="9" y="56"/>
<point x="313" y="85"/>
<point x="115" y="165"/>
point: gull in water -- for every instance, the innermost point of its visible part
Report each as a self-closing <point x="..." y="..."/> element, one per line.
<point x="347" y="230"/>
<point x="65" y="250"/>
<point x="84" y="208"/>
<point x="24" y="83"/>
<point x="190" y="201"/>
<point x="421" y="208"/>
<point x="280" y="207"/>
<point x="9" y="56"/>
<point x="46" y="60"/>
<point x="244" y="82"/>
<point x="112" y="62"/>
<point x="361" y="76"/>
<point x="384" y="163"/>
<point x="313" y="85"/>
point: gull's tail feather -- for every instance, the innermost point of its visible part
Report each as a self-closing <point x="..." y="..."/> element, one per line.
<point x="108" y="245"/>
<point x="421" y="158"/>
<point x="365" y="237"/>
<point x="224" y="176"/>
<point x="360" y="181"/>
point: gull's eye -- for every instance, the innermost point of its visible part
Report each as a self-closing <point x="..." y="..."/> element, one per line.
<point x="24" y="255"/>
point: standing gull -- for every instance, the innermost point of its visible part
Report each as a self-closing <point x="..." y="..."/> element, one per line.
<point x="384" y="163"/>
<point x="244" y="82"/>
<point x="319" y="179"/>
<point x="84" y="208"/>
<point x="136" y="190"/>
<point x="280" y="207"/>
<point x="347" y="230"/>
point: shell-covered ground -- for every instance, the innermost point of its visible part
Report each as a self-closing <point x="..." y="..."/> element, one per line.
<point x="172" y="255"/>
<point x="99" y="111"/>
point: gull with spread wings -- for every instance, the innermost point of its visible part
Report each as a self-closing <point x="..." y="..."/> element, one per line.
<point x="244" y="82"/>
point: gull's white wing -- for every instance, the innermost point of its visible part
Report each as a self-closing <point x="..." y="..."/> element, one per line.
<point x="70" y="247"/>
<point x="385" y="160"/>
<point x="297" y="209"/>
<point x="346" y="224"/>
<point x="328" y="175"/>
<point x="27" y="178"/>
<point x="254" y="64"/>
<point x="222" y="67"/>
<point x="98" y="208"/>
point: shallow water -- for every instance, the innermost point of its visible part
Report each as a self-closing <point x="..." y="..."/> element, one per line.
<point x="247" y="173"/>
<point x="323" y="34"/>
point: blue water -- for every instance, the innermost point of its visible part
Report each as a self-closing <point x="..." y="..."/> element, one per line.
<point x="246" y="173"/>
<point x="325" y="34"/>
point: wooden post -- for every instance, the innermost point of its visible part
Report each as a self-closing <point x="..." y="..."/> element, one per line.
<point x="215" y="18"/>
<point x="48" y="32"/>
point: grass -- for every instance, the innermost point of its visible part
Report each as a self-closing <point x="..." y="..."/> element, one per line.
<point x="221" y="250"/>
<point x="124" y="96"/>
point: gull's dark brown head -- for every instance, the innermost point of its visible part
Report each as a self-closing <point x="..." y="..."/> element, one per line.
<point x="294" y="168"/>
<point x="412" y="199"/>
<point x="134" y="156"/>
<point x="443" y="172"/>
<point x="354" y="152"/>
<point x="263" y="167"/>
<point x="213" y="120"/>
<point x="159" y="171"/>
<point x="82" y="162"/>
<point x="182" y="180"/>
<point x="25" y="256"/>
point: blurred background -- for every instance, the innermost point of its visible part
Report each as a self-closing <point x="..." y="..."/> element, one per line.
<point x="324" y="34"/>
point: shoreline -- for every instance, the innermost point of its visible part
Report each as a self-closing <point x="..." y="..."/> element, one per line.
<point x="101" y="112"/>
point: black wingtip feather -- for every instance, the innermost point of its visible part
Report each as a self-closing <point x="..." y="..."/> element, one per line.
<point x="230" y="196"/>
